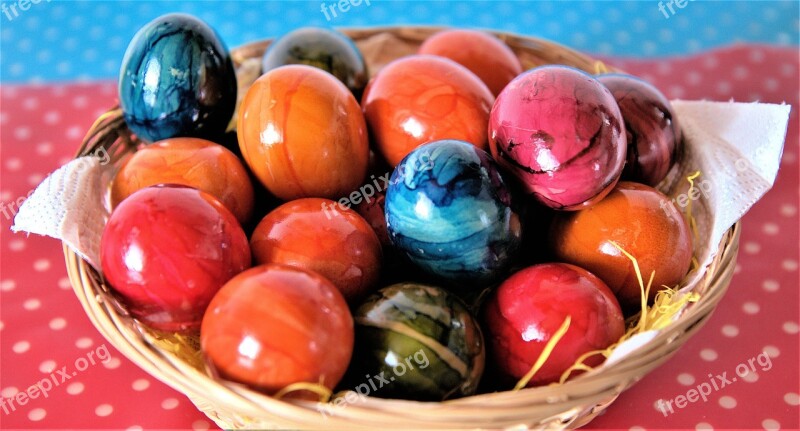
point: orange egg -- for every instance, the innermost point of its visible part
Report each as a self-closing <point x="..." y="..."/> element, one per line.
<point x="302" y="133"/>
<point x="424" y="98"/>
<point x="644" y="222"/>
<point x="322" y="236"/>
<point x="483" y="54"/>
<point x="192" y="162"/>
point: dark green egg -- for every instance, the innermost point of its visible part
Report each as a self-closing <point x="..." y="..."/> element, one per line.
<point x="416" y="342"/>
<point x="324" y="49"/>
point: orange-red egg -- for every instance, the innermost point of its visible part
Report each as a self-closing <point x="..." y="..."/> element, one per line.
<point x="641" y="220"/>
<point x="302" y="133"/>
<point x="321" y="236"/>
<point x="192" y="162"/>
<point x="423" y="98"/>
<point x="483" y="54"/>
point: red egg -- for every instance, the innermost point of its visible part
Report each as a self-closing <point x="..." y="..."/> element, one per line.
<point x="193" y="162"/>
<point x="322" y="236"/>
<point x="641" y="220"/>
<point x="528" y="309"/>
<point x="483" y="54"/>
<point x="560" y="132"/>
<point x="166" y="250"/>
<point x="302" y="133"/>
<point x="423" y="98"/>
<point x="275" y="325"/>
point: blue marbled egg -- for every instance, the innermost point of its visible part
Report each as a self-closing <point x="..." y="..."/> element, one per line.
<point x="177" y="79"/>
<point x="449" y="211"/>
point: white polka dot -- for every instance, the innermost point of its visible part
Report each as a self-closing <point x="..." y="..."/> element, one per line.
<point x="756" y="56"/>
<point x="112" y="363"/>
<point x="13" y="164"/>
<point x="30" y="103"/>
<point x="74" y="133"/>
<point x="751" y="247"/>
<point x="727" y="402"/>
<point x="771" y="351"/>
<point x="750" y="376"/>
<point x="36" y="415"/>
<point x="200" y="425"/>
<point x="52" y="117"/>
<point x="32" y="304"/>
<point x="64" y="283"/>
<point x="789" y="265"/>
<point x="47" y="366"/>
<point x="787" y="69"/>
<point x="9" y="392"/>
<point x="737" y="269"/>
<point x="44" y="149"/>
<point x="676" y="92"/>
<point x="770" y="228"/>
<point x="703" y="426"/>
<point x="694" y="78"/>
<point x="80" y="102"/>
<point x="685" y="379"/>
<point x="2" y="325"/>
<point x="41" y="265"/>
<point x="751" y="307"/>
<point x="140" y="385"/>
<point x="134" y="428"/>
<point x="35" y="179"/>
<point x="790" y="328"/>
<point x="792" y="398"/>
<point x="104" y="410"/>
<point x="169" y="404"/>
<point x="58" y="324"/>
<point x="730" y="330"/>
<point x="16" y="245"/>
<point x="710" y="62"/>
<point x="771" y="425"/>
<point x="637" y="428"/>
<point x="75" y="388"/>
<point x="740" y="72"/>
<point x="789" y="157"/>
<point x="771" y="84"/>
<point x="21" y="347"/>
<point x="84" y="343"/>
<point x="788" y="210"/>
<point x="708" y="355"/>
<point x="22" y="133"/>
<point x="723" y="88"/>
<point x="770" y="285"/>
<point x="7" y="285"/>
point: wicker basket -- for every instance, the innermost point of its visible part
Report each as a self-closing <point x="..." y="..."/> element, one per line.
<point x="177" y="362"/>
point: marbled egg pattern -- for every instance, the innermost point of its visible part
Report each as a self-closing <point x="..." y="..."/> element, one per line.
<point x="177" y="79"/>
<point x="427" y="330"/>
<point x="449" y="210"/>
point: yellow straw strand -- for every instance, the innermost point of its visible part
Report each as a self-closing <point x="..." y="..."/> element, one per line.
<point x="600" y="68"/>
<point x="323" y="392"/>
<point x="692" y="221"/>
<point x="548" y="349"/>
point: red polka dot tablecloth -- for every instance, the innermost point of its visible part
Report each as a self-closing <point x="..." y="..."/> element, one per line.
<point x="747" y="353"/>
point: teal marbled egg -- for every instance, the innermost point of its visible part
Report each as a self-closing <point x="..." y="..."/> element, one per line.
<point x="418" y="342"/>
<point x="177" y="79"/>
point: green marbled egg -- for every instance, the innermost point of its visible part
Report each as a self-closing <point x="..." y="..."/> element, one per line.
<point x="418" y="342"/>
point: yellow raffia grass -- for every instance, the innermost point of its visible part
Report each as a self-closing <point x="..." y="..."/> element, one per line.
<point x="692" y="221"/>
<point x="600" y="67"/>
<point x="667" y="304"/>
<point x="317" y="388"/>
<point x="548" y="349"/>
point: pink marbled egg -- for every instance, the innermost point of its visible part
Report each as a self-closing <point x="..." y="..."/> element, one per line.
<point x="560" y="132"/>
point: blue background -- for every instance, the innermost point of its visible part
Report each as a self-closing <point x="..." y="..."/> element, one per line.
<point x="68" y="40"/>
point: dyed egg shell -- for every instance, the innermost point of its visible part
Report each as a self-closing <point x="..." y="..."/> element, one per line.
<point x="422" y="98"/>
<point x="177" y="79"/>
<point x="644" y="222"/>
<point x="192" y="162"/>
<point x="320" y="235"/>
<point x="654" y="136"/>
<point x="424" y="341"/>
<point x="302" y="133"/>
<point x="560" y="132"/>
<point x="274" y="325"/>
<point x="483" y="54"/>
<point x="448" y="210"/>
<point x="325" y="49"/>
<point x="166" y="250"/>
<point x="524" y="313"/>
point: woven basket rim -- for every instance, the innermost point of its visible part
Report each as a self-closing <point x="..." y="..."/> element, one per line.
<point x="234" y="406"/>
